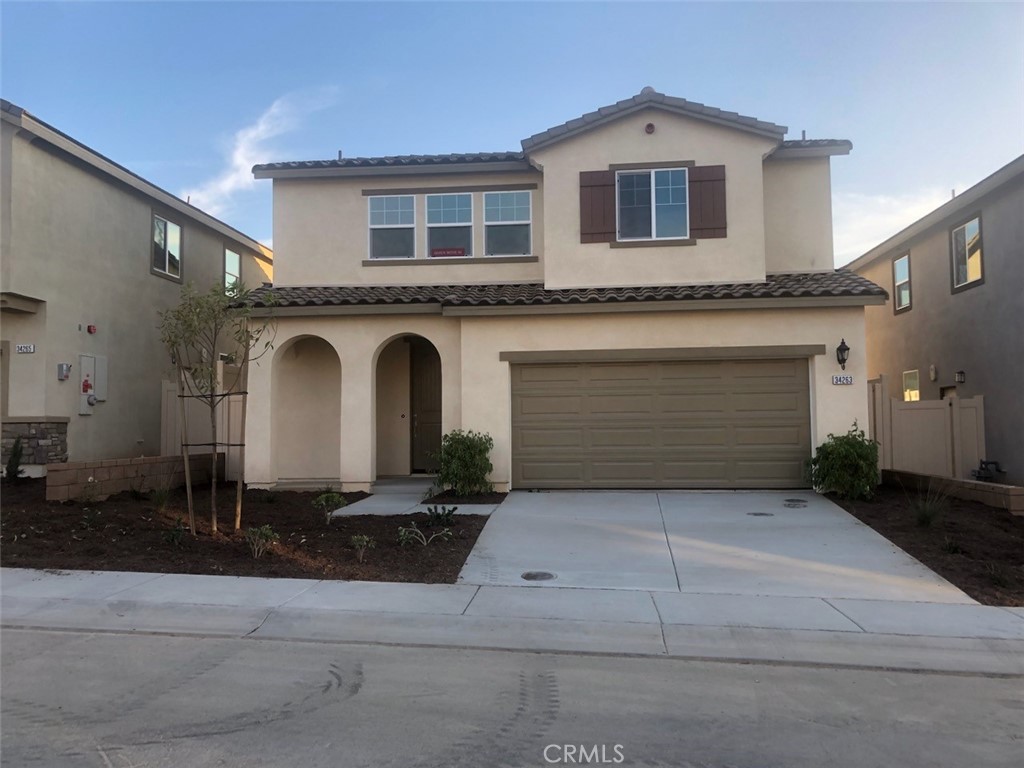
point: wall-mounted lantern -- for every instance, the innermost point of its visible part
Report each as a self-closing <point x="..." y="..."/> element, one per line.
<point x="960" y="377"/>
<point x="842" y="354"/>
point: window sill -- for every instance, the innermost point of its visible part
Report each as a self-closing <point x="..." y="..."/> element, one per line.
<point x="165" y="275"/>
<point x="652" y="243"/>
<point x="442" y="260"/>
<point x="967" y="286"/>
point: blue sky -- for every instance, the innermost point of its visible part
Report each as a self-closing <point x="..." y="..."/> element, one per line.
<point x="191" y="95"/>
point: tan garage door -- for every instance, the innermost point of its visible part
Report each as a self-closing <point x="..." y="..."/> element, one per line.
<point x="706" y="424"/>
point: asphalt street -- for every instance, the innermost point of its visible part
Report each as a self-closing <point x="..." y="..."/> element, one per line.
<point x="136" y="700"/>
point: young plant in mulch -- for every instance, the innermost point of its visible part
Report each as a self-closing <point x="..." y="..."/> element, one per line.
<point x="445" y="516"/>
<point x="13" y="470"/>
<point x="361" y="543"/>
<point x="413" y="535"/>
<point x="929" y="507"/>
<point x="260" y="540"/>
<point x="327" y="503"/>
<point x="846" y="465"/>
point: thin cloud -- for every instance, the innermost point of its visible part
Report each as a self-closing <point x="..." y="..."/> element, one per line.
<point x="862" y="221"/>
<point x="251" y="145"/>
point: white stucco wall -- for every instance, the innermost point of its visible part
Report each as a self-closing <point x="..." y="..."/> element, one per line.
<point x="798" y="215"/>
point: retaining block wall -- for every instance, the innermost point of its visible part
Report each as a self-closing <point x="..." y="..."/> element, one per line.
<point x="1008" y="497"/>
<point x="72" y="480"/>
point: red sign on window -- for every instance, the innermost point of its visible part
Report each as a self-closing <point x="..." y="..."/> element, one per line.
<point x="447" y="252"/>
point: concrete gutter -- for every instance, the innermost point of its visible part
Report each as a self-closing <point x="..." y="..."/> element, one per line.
<point x="958" y="638"/>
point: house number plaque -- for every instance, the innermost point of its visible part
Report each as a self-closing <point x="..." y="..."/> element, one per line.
<point x="842" y="379"/>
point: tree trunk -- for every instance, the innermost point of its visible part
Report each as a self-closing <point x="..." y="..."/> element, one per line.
<point x="244" y="380"/>
<point x="184" y="450"/>
<point x="213" y="467"/>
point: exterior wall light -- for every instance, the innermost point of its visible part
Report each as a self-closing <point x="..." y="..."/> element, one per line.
<point x="960" y="377"/>
<point x="842" y="354"/>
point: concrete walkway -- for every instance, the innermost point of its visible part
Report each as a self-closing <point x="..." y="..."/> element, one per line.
<point x="758" y="544"/>
<point x="846" y="632"/>
<point x="404" y="496"/>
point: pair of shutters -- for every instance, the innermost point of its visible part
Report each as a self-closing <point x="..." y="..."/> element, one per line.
<point x="706" y="204"/>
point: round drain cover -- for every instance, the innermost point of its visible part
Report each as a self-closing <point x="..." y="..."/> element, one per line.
<point x="538" y="576"/>
<point x="762" y="514"/>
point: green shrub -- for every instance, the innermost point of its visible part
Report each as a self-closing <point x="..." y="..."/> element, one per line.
<point x="846" y="465"/>
<point x="13" y="470"/>
<point x="360" y="543"/>
<point x="413" y="535"/>
<point x="160" y="497"/>
<point x="176" y="535"/>
<point x="260" y="539"/>
<point x="327" y="502"/>
<point x="440" y="517"/>
<point x="464" y="462"/>
<point x="930" y="506"/>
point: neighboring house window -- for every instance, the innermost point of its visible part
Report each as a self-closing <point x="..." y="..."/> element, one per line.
<point x="967" y="254"/>
<point x="392" y="227"/>
<point x="652" y="205"/>
<point x="901" y="282"/>
<point x="507" y="224"/>
<point x="232" y="268"/>
<point x="450" y="225"/>
<point x="911" y="386"/>
<point x="166" y="247"/>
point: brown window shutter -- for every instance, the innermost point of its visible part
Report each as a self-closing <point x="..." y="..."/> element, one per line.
<point x="707" y="201"/>
<point x="597" y="206"/>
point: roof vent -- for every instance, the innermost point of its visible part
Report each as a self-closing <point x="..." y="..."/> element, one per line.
<point x="647" y="90"/>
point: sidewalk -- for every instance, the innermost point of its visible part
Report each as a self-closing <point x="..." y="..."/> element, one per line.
<point x="842" y="632"/>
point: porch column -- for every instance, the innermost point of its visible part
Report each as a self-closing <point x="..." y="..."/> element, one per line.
<point x="260" y="466"/>
<point x="358" y="432"/>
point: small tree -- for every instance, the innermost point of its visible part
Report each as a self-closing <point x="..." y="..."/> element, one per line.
<point x="464" y="462"/>
<point x="196" y="333"/>
<point x="846" y="465"/>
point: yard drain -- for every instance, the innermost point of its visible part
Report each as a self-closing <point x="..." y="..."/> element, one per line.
<point x="538" y="576"/>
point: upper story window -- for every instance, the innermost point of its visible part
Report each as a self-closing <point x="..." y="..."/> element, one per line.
<point x="652" y="205"/>
<point x="901" y="282"/>
<point x="232" y="269"/>
<point x="507" y="224"/>
<point x="392" y="227"/>
<point x="166" y="247"/>
<point x="450" y="225"/>
<point x="966" y="245"/>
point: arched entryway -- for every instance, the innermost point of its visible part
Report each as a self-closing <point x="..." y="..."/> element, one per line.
<point x="307" y="411"/>
<point x="408" y="407"/>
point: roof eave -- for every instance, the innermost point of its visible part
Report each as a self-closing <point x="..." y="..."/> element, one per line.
<point x="796" y="153"/>
<point x="370" y="171"/>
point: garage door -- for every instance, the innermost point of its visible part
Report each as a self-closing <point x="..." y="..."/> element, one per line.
<point x="692" y="424"/>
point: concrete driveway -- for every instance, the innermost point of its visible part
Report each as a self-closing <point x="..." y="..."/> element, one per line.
<point x="786" y="544"/>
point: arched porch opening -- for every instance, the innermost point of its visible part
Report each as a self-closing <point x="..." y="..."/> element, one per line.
<point x="408" y="394"/>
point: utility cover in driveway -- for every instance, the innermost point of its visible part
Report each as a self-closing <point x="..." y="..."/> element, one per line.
<point x="692" y="424"/>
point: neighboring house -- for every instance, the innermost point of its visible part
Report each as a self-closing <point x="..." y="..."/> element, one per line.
<point x="954" y="324"/>
<point x="91" y="253"/>
<point x="642" y="297"/>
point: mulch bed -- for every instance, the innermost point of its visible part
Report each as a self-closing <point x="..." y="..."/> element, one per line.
<point x="128" y="533"/>
<point x="979" y="549"/>
<point x="450" y="497"/>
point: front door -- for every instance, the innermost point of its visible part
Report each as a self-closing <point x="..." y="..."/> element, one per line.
<point x="425" y="369"/>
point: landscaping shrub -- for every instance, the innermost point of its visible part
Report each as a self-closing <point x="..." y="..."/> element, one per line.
<point x="260" y="539"/>
<point x="13" y="470"/>
<point x="846" y="465"/>
<point x="413" y="535"/>
<point x="444" y="516"/>
<point x="929" y="507"/>
<point x="360" y="543"/>
<point x="327" y="502"/>
<point x="464" y="462"/>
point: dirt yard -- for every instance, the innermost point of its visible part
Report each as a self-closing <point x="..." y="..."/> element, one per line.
<point x="980" y="549"/>
<point x="130" y="533"/>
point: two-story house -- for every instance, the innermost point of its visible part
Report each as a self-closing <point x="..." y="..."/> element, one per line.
<point x="642" y="297"/>
<point x="90" y="253"/>
<point x="957" y="312"/>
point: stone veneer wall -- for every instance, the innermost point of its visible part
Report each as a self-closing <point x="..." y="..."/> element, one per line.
<point x="71" y="481"/>
<point x="42" y="441"/>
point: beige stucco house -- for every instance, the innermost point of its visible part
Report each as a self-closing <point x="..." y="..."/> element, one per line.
<point x="641" y="297"/>
<point x="952" y="329"/>
<point x="90" y="253"/>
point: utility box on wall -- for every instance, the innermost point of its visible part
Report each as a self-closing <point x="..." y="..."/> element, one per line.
<point x="92" y="377"/>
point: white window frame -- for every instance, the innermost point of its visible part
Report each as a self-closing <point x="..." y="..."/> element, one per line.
<point x="529" y="221"/>
<point x="654" y="205"/>
<point x="429" y="226"/>
<point x="166" y="272"/>
<point x="896" y="285"/>
<point x="237" y="277"/>
<point x="370" y="226"/>
<point x="917" y="391"/>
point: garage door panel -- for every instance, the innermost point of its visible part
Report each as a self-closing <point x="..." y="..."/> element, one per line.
<point x="698" y="424"/>
<point x="636" y="438"/>
<point x="540" y="405"/>
<point x="535" y="438"/>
